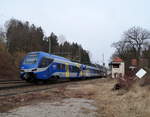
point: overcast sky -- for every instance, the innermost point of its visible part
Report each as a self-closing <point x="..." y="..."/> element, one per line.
<point x="95" y="24"/>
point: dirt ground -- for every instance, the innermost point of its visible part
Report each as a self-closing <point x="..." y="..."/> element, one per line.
<point x="71" y="107"/>
<point x="91" y="98"/>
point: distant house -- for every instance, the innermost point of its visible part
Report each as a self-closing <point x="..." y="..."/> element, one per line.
<point x="117" y="67"/>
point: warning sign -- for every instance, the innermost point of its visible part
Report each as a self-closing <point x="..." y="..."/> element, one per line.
<point x="141" y="73"/>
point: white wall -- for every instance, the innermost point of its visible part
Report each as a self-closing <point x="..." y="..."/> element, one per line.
<point x="120" y="70"/>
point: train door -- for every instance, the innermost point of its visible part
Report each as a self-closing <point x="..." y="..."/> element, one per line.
<point x="44" y="66"/>
<point x="79" y="71"/>
<point x="67" y="70"/>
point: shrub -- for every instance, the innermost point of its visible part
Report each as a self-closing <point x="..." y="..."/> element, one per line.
<point x="7" y="68"/>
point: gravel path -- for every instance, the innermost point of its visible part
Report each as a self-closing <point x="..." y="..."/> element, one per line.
<point x="72" y="107"/>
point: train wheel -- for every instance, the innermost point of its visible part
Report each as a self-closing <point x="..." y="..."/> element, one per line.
<point x="30" y="79"/>
<point x="72" y="79"/>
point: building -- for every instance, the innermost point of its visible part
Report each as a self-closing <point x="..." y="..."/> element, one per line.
<point x="117" y="68"/>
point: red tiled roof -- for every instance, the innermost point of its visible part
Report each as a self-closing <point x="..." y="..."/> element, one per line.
<point x="117" y="59"/>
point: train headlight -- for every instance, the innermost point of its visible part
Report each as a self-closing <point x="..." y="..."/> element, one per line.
<point x="21" y="70"/>
<point x="26" y="75"/>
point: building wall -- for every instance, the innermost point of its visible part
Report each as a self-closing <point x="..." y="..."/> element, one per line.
<point x="118" y="72"/>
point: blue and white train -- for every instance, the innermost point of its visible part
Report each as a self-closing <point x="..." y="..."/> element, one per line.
<point x="44" y="66"/>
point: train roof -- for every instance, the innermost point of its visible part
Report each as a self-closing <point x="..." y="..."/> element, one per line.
<point x="50" y="55"/>
<point x="59" y="58"/>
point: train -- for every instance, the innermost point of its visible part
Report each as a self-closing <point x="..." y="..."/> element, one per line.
<point x="44" y="66"/>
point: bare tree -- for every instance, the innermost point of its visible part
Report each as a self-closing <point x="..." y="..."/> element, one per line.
<point x="121" y="49"/>
<point x="135" y="37"/>
<point x="133" y="45"/>
<point x="2" y="35"/>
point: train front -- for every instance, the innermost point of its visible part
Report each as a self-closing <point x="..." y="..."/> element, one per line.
<point x="28" y="67"/>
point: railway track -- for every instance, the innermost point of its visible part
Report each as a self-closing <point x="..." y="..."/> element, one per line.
<point x="29" y="88"/>
<point x="24" y="92"/>
<point x="23" y="89"/>
<point x="14" y="82"/>
<point x="15" y="86"/>
<point x="10" y="80"/>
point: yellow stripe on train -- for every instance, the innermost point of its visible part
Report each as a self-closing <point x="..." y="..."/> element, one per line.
<point x="67" y="70"/>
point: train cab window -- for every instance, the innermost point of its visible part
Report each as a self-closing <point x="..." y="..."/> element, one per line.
<point x="45" y="62"/>
<point x="30" y="59"/>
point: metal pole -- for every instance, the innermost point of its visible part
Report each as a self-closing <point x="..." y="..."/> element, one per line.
<point x="79" y="54"/>
<point x="49" y="44"/>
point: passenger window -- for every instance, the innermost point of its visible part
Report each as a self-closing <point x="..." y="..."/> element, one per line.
<point x="59" y="66"/>
<point x="75" y="69"/>
<point x="45" y="62"/>
<point x="63" y="67"/>
<point x="69" y="68"/>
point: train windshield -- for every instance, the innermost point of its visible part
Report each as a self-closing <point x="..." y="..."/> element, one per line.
<point x="31" y="59"/>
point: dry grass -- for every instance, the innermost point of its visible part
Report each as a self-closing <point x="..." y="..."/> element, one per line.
<point x="121" y="103"/>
